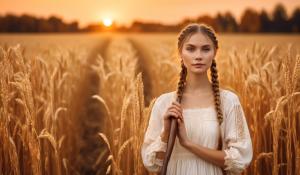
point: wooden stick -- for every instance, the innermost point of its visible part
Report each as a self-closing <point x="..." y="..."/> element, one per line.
<point x="170" y="145"/>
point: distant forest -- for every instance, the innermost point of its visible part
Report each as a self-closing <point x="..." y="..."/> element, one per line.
<point x="252" y="21"/>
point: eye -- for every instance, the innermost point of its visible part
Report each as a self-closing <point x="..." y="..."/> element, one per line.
<point x="206" y="49"/>
<point x="190" y="48"/>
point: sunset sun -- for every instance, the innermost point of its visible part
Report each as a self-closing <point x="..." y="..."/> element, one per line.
<point x="107" y="22"/>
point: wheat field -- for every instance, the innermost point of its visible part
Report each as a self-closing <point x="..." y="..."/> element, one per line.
<point x="80" y="104"/>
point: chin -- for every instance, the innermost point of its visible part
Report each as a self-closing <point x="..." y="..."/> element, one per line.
<point x="198" y="72"/>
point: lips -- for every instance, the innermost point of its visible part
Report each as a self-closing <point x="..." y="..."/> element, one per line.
<point x="198" y="64"/>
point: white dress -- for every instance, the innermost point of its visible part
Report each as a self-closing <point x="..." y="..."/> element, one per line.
<point x="203" y="129"/>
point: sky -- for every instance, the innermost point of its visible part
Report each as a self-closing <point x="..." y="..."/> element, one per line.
<point x="123" y="12"/>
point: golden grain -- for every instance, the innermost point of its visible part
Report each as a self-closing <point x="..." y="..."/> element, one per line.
<point x="39" y="124"/>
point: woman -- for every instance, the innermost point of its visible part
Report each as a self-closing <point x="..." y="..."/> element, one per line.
<point x="212" y="133"/>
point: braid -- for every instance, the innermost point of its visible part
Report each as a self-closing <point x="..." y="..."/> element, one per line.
<point x="216" y="90"/>
<point x="181" y="83"/>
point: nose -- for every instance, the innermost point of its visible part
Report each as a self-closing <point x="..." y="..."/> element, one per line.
<point x="198" y="56"/>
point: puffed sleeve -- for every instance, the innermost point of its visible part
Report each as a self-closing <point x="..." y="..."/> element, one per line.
<point x="238" y="144"/>
<point x="152" y="140"/>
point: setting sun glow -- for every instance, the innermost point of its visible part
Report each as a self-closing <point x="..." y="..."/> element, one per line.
<point x="107" y="22"/>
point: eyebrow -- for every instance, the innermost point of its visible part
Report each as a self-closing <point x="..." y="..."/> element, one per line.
<point x="205" y="45"/>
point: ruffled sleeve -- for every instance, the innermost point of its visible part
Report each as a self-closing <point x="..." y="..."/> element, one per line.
<point x="152" y="140"/>
<point x="238" y="144"/>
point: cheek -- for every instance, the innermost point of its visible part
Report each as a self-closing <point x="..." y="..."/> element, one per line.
<point x="209" y="55"/>
<point x="186" y="54"/>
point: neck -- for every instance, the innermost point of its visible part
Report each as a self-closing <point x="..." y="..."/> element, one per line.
<point x="197" y="83"/>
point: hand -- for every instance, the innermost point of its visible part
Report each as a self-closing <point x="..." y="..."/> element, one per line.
<point x="182" y="134"/>
<point x="174" y="111"/>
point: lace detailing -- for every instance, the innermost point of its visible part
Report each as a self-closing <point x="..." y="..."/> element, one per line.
<point x="232" y="162"/>
<point x="239" y="122"/>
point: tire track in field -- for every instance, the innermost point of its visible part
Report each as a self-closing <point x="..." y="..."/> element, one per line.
<point x="91" y="115"/>
<point x="143" y="66"/>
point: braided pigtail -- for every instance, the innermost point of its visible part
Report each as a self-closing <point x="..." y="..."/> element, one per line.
<point x="181" y="83"/>
<point x="216" y="90"/>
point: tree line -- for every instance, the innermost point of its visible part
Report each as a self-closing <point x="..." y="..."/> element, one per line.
<point x="251" y="21"/>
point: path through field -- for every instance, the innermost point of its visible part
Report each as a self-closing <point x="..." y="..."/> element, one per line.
<point x="92" y="114"/>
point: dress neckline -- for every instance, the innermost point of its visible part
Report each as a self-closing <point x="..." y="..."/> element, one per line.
<point x="199" y="109"/>
<point x="196" y="109"/>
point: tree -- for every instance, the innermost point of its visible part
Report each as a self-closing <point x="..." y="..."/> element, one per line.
<point x="250" y="21"/>
<point x="220" y="23"/>
<point x="9" y="23"/>
<point x="27" y="24"/>
<point x="280" y="19"/>
<point x="206" y="19"/>
<point x="295" y="20"/>
<point x="230" y="23"/>
<point x="73" y="26"/>
<point x="43" y="26"/>
<point x="56" y="24"/>
<point x="265" y="21"/>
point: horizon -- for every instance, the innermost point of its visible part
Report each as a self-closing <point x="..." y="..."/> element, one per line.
<point x="95" y="11"/>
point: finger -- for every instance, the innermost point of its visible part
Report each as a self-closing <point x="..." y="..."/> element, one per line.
<point x="176" y="104"/>
<point x="170" y="114"/>
<point x="180" y="116"/>
<point x="176" y="108"/>
<point x="176" y="111"/>
<point x="173" y="114"/>
<point x="178" y="121"/>
<point x="182" y="120"/>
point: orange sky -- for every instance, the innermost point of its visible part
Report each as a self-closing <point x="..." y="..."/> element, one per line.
<point x="125" y="11"/>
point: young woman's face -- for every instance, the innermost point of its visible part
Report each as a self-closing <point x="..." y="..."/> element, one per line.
<point x="197" y="53"/>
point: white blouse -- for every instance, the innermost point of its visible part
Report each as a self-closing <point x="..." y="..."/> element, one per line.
<point x="202" y="128"/>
